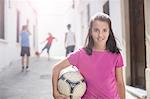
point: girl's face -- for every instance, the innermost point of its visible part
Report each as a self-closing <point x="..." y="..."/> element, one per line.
<point x="100" y="32"/>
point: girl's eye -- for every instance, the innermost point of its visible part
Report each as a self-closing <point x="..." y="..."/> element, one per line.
<point x="105" y="30"/>
<point x="96" y="30"/>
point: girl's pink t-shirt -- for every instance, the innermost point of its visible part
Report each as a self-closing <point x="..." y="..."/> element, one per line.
<point x="98" y="70"/>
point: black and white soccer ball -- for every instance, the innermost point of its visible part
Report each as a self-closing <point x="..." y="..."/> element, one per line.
<point x="72" y="84"/>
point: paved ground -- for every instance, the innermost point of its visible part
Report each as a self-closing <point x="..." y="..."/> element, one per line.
<point x="32" y="84"/>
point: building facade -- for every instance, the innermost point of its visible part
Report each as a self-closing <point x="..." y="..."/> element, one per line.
<point x="14" y="14"/>
<point x="131" y="25"/>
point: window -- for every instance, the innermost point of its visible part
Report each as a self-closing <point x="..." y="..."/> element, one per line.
<point x="88" y="13"/>
<point x="106" y="8"/>
<point x="2" y="19"/>
<point x="18" y="26"/>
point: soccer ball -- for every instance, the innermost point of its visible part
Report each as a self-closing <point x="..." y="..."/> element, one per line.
<point x="37" y="53"/>
<point x="72" y="84"/>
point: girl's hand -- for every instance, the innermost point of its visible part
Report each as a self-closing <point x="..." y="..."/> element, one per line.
<point x="60" y="96"/>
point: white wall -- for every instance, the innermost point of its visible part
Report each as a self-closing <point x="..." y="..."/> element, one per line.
<point x="77" y="25"/>
<point x="96" y="6"/>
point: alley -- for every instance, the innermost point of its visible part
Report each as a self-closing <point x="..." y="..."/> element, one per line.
<point x="130" y="26"/>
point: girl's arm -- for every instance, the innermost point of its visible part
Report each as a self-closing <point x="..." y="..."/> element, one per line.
<point x="120" y="83"/>
<point x="56" y="71"/>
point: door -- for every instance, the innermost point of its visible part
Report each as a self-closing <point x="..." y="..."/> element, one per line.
<point x="137" y="43"/>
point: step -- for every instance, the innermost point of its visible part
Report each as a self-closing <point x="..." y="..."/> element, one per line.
<point x="137" y="92"/>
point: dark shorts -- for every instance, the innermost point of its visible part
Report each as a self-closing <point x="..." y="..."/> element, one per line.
<point x="70" y="49"/>
<point x="25" y="51"/>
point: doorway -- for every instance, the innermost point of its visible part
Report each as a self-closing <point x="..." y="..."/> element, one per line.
<point x="137" y="43"/>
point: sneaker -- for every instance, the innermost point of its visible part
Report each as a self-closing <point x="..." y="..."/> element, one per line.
<point x="22" y="68"/>
<point x="27" y="68"/>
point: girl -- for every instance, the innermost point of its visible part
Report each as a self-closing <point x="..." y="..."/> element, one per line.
<point x="100" y="62"/>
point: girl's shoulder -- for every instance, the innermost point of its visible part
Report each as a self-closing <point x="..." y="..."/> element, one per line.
<point x="117" y="55"/>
